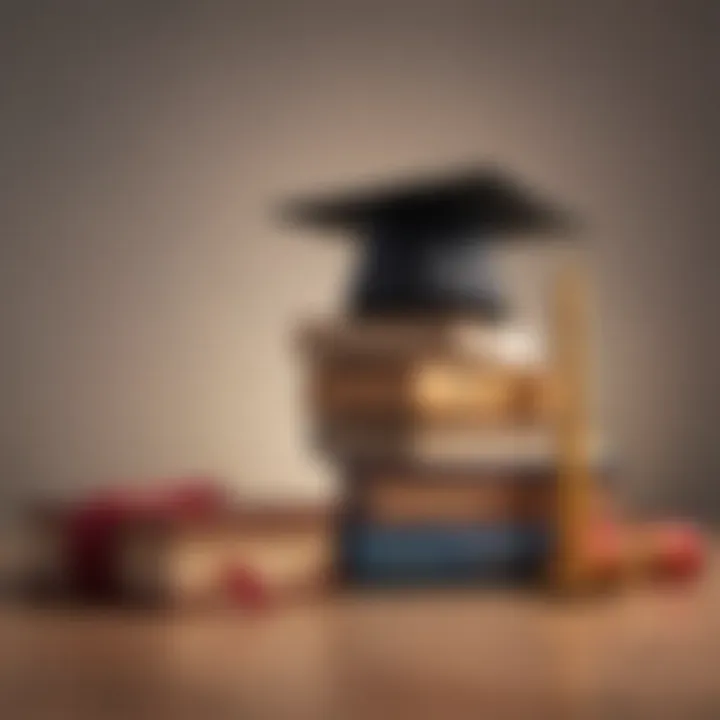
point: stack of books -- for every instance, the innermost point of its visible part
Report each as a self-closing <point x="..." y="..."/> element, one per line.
<point x="442" y="433"/>
<point x="438" y="412"/>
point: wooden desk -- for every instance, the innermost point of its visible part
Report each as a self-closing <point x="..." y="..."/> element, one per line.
<point x="644" y="655"/>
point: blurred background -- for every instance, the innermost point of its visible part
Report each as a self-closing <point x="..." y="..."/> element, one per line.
<point x="148" y="295"/>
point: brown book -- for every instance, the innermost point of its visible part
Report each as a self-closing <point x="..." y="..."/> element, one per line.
<point x="400" y="500"/>
<point x="429" y="392"/>
<point x="187" y="562"/>
<point x="338" y="338"/>
<point x="449" y="495"/>
<point x="506" y="449"/>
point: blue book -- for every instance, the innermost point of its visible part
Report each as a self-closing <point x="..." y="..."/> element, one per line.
<point x="376" y="554"/>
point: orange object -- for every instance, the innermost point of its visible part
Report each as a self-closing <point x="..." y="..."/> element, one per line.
<point x="574" y="487"/>
<point x="605" y="552"/>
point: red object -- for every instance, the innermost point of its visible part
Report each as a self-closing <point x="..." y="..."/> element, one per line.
<point x="92" y="546"/>
<point x="95" y="524"/>
<point x="246" y="588"/>
<point x="679" y="552"/>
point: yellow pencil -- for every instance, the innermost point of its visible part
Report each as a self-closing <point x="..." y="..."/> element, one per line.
<point x="574" y="482"/>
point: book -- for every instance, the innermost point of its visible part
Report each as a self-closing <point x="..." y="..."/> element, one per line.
<point x="426" y="391"/>
<point x="510" y="450"/>
<point x="442" y="555"/>
<point x="337" y="339"/>
<point x="185" y="562"/>
<point x="405" y="494"/>
<point x="403" y="499"/>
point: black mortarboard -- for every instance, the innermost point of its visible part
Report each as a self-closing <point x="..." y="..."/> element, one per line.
<point x="426" y="241"/>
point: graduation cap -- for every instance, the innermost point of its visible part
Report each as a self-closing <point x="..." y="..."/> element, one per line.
<point x="426" y="241"/>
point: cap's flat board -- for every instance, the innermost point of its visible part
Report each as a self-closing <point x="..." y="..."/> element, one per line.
<point x="475" y="200"/>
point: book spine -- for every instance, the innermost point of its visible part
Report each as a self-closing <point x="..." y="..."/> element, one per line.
<point x="505" y="450"/>
<point x="340" y="340"/>
<point x="433" y="393"/>
<point x="462" y="553"/>
<point x="410" y="501"/>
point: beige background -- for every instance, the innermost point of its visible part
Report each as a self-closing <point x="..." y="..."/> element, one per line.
<point x="146" y="293"/>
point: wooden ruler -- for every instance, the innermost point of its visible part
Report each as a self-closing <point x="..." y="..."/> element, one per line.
<point x="570" y="321"/>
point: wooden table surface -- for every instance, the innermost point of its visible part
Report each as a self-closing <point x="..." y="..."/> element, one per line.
<point x="644" y="654"/>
